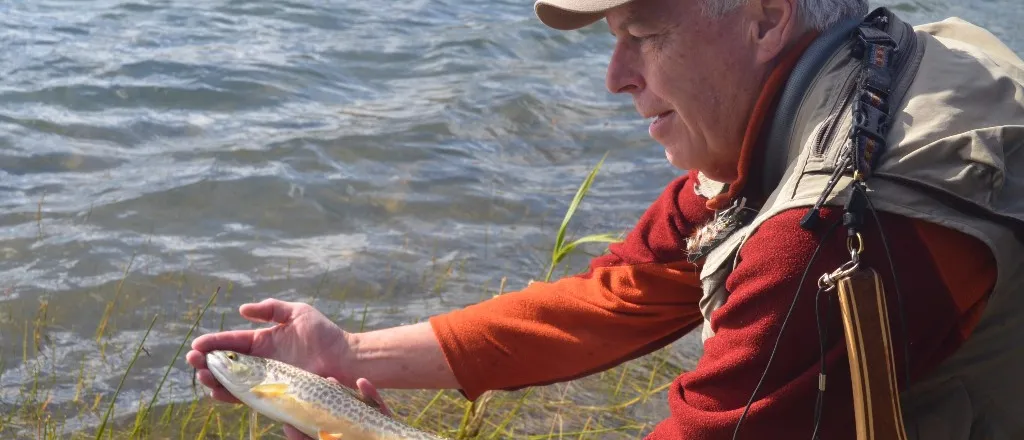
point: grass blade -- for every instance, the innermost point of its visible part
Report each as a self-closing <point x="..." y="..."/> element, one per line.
<point x="598" y="238"/>
<point x="580" y="194"/>
<point x="195" y="324"/>
<point x="110" y="408"/>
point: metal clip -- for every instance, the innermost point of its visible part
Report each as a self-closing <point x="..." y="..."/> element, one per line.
<point x="855" y="251"/>
<point x="827" y="281"/>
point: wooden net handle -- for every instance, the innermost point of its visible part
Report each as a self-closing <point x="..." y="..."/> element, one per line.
<point x="876" y="400"/>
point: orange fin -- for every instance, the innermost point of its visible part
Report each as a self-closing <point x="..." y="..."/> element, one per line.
<point x="270" y="389"/>
<point x="324" y="435"/>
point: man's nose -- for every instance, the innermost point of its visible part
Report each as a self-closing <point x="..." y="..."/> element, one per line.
<point x="623" y="75"/>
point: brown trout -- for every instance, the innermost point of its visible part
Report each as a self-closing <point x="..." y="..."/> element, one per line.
<point x="321" y="409"/>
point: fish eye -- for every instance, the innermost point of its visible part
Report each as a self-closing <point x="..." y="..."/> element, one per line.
<point x="232" y="356"/>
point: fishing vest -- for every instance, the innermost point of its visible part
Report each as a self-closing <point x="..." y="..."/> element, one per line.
<point x="953" y="155"/>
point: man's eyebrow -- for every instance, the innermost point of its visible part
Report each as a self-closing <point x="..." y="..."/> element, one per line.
<point x="631" y="17"/>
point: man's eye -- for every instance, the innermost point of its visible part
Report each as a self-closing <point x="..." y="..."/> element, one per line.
<point x="644" y="37"/>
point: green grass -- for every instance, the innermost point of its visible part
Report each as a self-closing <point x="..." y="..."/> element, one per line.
<point x="562" y="249"/>
<point x="622" y="402"/>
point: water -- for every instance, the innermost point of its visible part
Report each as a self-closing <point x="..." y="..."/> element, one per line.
<point x="399" y="158"/>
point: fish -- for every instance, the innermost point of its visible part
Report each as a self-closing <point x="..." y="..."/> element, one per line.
<point x="321" y="409"/>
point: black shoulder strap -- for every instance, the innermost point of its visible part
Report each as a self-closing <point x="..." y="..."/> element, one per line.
<point x="792" y="94"/>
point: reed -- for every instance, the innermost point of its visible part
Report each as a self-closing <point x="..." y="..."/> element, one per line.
<point x="622" y="402"/>
<point x="562" y="249"/>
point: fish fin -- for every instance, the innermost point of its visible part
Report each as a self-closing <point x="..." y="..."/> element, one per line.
<point x="270" y="389"/>
<point x="324" y="435"/>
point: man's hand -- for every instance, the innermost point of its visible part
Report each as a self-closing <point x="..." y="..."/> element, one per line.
<point x="407" y="356"/>
<point x="302" y="336"/>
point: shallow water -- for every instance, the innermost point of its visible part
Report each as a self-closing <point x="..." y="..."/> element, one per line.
<point x="400" y="160"/>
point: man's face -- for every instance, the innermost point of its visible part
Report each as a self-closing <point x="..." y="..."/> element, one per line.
<point x="697" y="78"/>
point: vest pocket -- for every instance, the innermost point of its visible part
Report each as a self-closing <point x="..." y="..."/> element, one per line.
<point x="716" y="269"/>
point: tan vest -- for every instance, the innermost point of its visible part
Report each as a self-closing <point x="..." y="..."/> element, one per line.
<point x="959" y="130"/>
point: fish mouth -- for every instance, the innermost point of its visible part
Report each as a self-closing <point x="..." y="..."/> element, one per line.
<point x="217" y="362"/>
<point x="217" y="359"/>
<point x="233" y="370"/>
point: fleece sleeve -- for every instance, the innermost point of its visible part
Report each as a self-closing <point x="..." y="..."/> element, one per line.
<point x="632" y="301"/>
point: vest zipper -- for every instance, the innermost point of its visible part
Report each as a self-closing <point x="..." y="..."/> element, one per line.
<point x="826" y="135"/>
<point x="900" y="81"/>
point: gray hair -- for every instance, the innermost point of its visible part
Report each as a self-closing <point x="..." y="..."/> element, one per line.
<point x="814" y="14"/>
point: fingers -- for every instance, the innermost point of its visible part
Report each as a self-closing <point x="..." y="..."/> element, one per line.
<point x="370" y="393"/>
<point x="196" y="359"/>
<point x="206" y="378"/>
<point x="234" y="340"/>
<point x="240" y="340"/>
<point x="223" y="395"/>
<point x="269" y="310"/>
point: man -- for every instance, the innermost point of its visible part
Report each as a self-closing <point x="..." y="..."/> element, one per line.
<point x="938" y="122"/>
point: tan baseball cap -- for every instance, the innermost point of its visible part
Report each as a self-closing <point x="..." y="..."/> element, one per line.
<point x="573" y="14"/>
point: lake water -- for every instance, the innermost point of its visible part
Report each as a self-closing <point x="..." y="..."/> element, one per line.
<point x="396" y="158"/>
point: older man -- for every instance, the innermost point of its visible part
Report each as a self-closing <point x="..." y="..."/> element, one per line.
<point x="790" y="116"/>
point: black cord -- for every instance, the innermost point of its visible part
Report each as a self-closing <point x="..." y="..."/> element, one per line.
<point x="792" y="306"/>
<point x="823" y="327"/>
<point x="819" y="405"/>
<point x="896" y="284"/>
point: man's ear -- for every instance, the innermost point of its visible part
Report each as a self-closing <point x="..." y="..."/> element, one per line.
<point x="773" y="27"/>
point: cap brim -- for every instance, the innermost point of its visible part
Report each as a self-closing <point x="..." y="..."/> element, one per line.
<point x="573" y="14"/>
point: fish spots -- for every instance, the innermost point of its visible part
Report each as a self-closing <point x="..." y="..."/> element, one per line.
<point x="321" y="408"/>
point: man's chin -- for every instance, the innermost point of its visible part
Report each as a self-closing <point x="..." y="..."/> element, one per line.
<point x="675" y="162"/>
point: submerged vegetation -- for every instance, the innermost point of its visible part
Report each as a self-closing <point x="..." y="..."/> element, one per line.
<point x="623" y="402"/>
